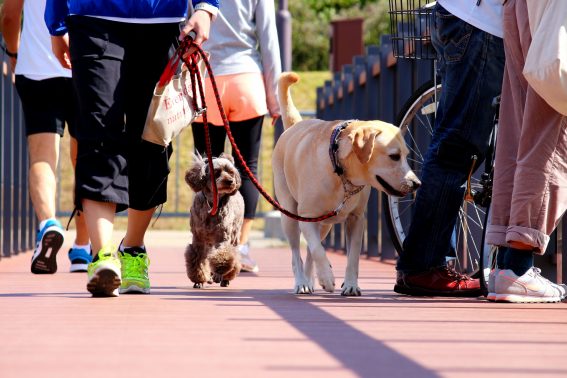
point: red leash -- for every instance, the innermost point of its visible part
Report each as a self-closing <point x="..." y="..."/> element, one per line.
<point x="186" y="44"/>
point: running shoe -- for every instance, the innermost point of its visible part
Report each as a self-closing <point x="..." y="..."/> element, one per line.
<point x="48" y="242"/>
<point x="135" y="263"/>
<point x="248" y="264"/>
<point x="531" y="287"/>
<point x="104" y="274"/>
<point x="80" y="259"/>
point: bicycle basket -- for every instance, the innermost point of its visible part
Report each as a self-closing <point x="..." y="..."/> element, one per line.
<point x="410" y="26"/>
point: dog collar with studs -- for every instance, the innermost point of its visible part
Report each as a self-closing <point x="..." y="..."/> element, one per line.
<point x="334" y="147"/>
<point x="349" y="188"/>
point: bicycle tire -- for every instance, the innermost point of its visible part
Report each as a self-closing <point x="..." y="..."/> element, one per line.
<point x="416" y="121"/>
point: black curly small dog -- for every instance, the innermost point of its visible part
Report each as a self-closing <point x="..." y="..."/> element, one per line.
<point x="212" y="255"/>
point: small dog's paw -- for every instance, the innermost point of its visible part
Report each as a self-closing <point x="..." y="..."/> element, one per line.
<point x="350" y="290"/>
<point x="225" y="283"/>
<point x="198" y="285"/>
<point x="217" y="277"/>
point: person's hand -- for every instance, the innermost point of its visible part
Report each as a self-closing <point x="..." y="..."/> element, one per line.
<point x="200" y="23"/>
<point x="60" y="48"/>
<point x="275" y="118"/>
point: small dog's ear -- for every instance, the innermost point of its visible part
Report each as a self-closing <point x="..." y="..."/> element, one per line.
<point x="227" y="157"/>
<point x="195" y="176"/>
<point x="238" y="182"/>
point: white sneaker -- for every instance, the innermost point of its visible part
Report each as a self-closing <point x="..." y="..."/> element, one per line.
<point x="531" y="287"/>
<point x="491" y="287"/>
<point x="247" y="262"/>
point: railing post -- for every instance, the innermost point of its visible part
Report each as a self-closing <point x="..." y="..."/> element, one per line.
<point x="360" y="98"/>
<point x="7" y="174"/>
<point x="388" y="96"/>
<point x="373" y="83"/>
<point x="346" y="94"/>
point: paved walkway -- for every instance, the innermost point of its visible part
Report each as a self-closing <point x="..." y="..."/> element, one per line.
<point x="51" y="327"/>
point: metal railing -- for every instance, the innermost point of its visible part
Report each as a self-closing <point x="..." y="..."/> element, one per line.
<point x="17" y="220"/>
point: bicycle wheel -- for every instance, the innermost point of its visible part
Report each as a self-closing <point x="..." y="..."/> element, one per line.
<point x="416" y="122"/>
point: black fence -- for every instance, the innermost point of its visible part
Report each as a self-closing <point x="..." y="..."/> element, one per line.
<point x="376" y="86"/>
<point x="17" y="220"/>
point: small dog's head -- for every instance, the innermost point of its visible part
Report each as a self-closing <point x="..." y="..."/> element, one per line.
<point x="226" y="175"/>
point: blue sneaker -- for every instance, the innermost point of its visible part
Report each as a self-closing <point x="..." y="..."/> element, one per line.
<point x="48" y="242"/>
<point x="80" y="259"/>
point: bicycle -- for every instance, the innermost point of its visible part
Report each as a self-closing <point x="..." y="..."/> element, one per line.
<point x="411" y="22"/>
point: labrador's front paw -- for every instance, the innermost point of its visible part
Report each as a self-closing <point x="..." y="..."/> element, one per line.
<point x="303" y="287"/>
<point x="326" y="279"/>
<point x="350" y="290"/>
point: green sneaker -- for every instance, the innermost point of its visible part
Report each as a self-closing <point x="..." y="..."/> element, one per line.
<point x="135" y="264"/>
<point x="104" y="274"/>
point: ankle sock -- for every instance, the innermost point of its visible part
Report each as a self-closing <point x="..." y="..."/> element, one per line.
<point x="519" y="260"/>
<point x="86" y="247"/>
<point x="133" y="251"/>
<point x="44" y="222"/>
<point x="501" y="257"/>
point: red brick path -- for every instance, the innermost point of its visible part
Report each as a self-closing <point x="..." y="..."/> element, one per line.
<point x="50" y="327"/>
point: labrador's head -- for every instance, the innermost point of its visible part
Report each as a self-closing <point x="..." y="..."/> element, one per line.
<point x="375" y="153"/>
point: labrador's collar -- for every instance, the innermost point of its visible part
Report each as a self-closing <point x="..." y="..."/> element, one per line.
<point x="349" y="188"/>
<point x="334" y="147"/>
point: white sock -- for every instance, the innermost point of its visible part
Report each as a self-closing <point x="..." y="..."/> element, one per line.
<point x="122" y="247"/>
<point x="86" y="247"/>
<point x="44" y="222"/>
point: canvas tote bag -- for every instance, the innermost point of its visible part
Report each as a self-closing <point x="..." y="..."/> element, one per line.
<point x="545" y="68"/>
<point x="174" y="105"/>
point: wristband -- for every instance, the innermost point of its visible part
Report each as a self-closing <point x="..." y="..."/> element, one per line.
<point x="9" y="53"/>
<point x="212" y="10"/>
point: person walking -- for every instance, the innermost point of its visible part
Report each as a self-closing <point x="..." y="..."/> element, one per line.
<point x="467" y="36"/>
<point x="529" y="194"/>
<point x="48" y="102"/>
<point x="117" y="50"/>
<point x="245" y="58"/>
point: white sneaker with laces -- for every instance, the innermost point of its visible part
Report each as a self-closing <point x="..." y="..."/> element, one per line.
<point x="247" y="262"/>
<point x="491" y="287"/>
<point x="531" y="287"/>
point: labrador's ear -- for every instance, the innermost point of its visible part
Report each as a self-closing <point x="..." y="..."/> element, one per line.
<point x="363" y="139"/>
<point x="196" y="176"/>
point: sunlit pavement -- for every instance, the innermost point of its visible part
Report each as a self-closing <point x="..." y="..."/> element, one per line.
<point x="51" y="327"/>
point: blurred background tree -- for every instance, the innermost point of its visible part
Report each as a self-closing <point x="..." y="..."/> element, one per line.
<point x="311" y="23"/>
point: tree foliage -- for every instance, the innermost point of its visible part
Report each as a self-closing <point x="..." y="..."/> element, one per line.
<point x="311" y="27"/>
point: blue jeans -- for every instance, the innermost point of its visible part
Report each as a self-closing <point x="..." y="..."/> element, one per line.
<point x="471" y="64"/>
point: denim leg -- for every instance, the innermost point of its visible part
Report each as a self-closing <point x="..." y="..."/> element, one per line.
<point x="471" y="64"/>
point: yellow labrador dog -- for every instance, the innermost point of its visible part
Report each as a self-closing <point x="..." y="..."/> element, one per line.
<point x="321" y="166"/>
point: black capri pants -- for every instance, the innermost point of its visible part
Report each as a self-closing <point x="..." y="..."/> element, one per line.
<point x="115" y="68"/>
<point x="247" y="135"/>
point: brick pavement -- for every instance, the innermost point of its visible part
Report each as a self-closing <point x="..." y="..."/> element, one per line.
<point x="50" y="327"/>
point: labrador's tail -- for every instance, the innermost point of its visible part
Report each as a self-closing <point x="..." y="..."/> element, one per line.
<point x="290" y="114"/>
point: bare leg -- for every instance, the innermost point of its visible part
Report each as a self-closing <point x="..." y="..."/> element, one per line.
<point x="99" y="217"/>
<point x="44" y="154"/>
<point x="245" y="230"/>
<point x="138" y="222"/>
